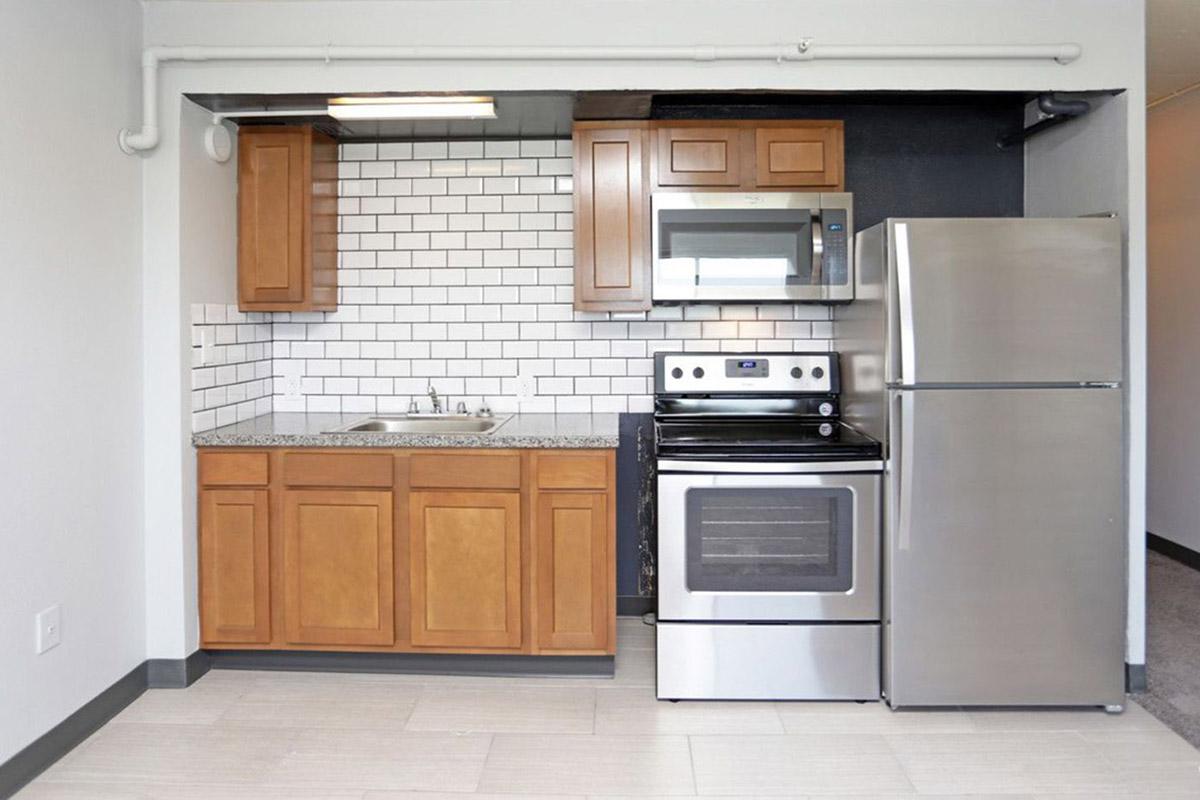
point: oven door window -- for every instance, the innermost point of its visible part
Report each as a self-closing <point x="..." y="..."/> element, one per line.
<point x="753" y="249"/>
<point x="770" y="540"/>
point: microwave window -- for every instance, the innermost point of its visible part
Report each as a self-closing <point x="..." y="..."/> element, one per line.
<point x="768" y="247"/>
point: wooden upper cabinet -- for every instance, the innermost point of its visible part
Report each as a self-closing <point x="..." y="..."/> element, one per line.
<point x="573" y="577"/>
<point x="691" y="156"/>
<point x="465" y="581"/>
<point x="338" y="569"/>
<point x="801" y="156"/>
<point x="287" y="219"/>
<point x="612" y="218"/>
<point x="234" y="566"/>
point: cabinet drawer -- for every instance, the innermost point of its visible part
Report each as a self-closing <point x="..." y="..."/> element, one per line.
<point x="454" y="471"/>
<point x="233" y="469"/>
<point x="573" y="471"/>
<point x="338" y="469"/>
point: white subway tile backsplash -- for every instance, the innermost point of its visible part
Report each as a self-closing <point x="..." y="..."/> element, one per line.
<point x="455" y="266"/>
<point x="236" y="384"/>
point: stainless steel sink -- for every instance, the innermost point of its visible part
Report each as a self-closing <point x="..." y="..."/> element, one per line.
<point x="425" y="423"/>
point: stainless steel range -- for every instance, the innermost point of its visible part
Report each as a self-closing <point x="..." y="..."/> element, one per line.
<point x="768" y="533"/>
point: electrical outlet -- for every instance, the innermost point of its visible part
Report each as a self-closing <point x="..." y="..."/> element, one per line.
<point x="49" y="628"/>
<point x="291" y="385"/>
<point x="207" y="353"/>
<point x="526" y="387"/>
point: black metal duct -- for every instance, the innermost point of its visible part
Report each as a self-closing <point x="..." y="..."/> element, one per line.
<point x="1057" y="111"/>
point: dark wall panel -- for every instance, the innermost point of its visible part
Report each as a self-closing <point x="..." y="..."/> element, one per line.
<point x="907" y="158"/>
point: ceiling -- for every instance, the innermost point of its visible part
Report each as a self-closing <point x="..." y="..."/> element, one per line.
<point x="1172" y="46"/>
<point x="532" y="115"/>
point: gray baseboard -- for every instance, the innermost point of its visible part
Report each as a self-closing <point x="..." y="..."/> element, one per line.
<point x="634" y="605"/>
<point x="414" y="663"/>
<point x="1135" y="678"/>
<point x="176" y="673"/>
<point x="1184" y="555"/>
<point x="59" y="740"/>
<point x="154" y="673"/>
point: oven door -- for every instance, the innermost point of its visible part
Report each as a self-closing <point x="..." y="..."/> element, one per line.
<point x="768" y="547"/>
<point x="751" y="247"/>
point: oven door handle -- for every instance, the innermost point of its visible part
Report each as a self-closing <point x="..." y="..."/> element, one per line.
<point x="767" y="467"/>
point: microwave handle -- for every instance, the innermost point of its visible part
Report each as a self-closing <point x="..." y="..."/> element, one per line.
<point x="818" y="249"/>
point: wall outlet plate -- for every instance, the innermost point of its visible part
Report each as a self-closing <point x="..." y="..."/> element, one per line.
<point x="207" y="355"/>
<point x="526" y="387"/>
<point x="49" y="628"/>
<point x="291" y="386"/>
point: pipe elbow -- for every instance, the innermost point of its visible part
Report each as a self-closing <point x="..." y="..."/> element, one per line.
<point x="132" y="141"/>
<point x="1060" y="107"/>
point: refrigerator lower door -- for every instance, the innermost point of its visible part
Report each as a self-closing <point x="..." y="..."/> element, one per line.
<point x="1005" y="574"/>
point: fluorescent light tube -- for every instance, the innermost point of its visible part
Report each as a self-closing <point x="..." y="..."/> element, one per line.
<point x="431" y="107"/>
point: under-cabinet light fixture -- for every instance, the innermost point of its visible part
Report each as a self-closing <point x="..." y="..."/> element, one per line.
<point x="416" y="107"/>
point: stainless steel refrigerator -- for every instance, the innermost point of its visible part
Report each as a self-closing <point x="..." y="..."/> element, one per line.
<point x="988" y="355"/>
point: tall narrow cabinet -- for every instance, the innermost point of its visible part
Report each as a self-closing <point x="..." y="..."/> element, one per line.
<point x="287" y="219"/>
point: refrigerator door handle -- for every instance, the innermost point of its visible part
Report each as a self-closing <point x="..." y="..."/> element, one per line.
<point x="903" y="477"/>
<point x="906" y="371"/>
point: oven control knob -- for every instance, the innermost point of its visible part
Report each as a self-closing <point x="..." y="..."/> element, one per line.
<point x="677" y="373"/>
<point x="825" y="429"/>
<point x="818" y="373"/>
<point x="797" y="373"/>
<point x="698" y="373"/>
<point x="825" y="409"/>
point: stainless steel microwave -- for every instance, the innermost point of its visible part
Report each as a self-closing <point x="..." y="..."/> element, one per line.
<point x="752" y="247"/>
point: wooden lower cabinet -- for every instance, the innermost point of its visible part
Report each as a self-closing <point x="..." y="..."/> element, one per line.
<point x="234" y="566"/>
<point x="338" y="567"/>
<point x="465" y="551"/>
<point x="448" y="551"/>
<point x="573" y="571"/>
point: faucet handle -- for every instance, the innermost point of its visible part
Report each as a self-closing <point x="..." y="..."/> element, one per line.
<point x="484" y="410"/>
<point x="461" y="408"/>
<point x="412" y="407"/>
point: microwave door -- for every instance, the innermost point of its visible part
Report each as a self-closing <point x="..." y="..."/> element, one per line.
<point x="746" y="248"/>
<point x="719" y="250"/>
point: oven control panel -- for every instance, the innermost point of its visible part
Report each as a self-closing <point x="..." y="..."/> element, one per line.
<point x="768" y="373"/>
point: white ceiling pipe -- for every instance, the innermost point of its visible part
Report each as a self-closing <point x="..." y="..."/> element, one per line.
<point x="1062" y="53"/>
<point x="146" y="138"/>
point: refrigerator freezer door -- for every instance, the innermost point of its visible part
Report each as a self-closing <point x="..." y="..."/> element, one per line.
<point x="1005" y="543"/>
<point x="1005" y="301"/>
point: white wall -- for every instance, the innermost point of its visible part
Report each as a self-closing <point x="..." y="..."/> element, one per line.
<point x="1085" y="167"/>
<point x="1173" y="214"/>
<point x="71" y="472"/>
<point x="190" y="255"/>
<point x="1110" y="33"/>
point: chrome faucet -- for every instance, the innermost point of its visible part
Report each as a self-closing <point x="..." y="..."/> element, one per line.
<point x="433" y="398"/>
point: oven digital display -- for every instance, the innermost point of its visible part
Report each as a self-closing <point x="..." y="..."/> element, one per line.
<point x="747" y="368"/>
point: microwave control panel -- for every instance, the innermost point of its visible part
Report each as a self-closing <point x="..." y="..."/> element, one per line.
<point x="835" y="258"/>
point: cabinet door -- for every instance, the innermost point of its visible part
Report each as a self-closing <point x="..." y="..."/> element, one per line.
<point x="466" y="568"/>
<point x="234" y="566"/>
<point x="801" y="156"/>
<point x="337" y="567"/>
<point x="572" y="571"/>
<point x="699" y="156"/>
<point x="612" y="220"/>
<point x="272" y="215"/>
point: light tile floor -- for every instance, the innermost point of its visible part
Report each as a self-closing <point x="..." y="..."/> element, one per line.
<point x="306" y="736"/>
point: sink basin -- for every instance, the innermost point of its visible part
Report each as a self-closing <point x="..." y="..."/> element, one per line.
<point x="424" y="423"/>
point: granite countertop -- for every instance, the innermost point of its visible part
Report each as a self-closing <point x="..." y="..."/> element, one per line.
<point x="306" y="430"/>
